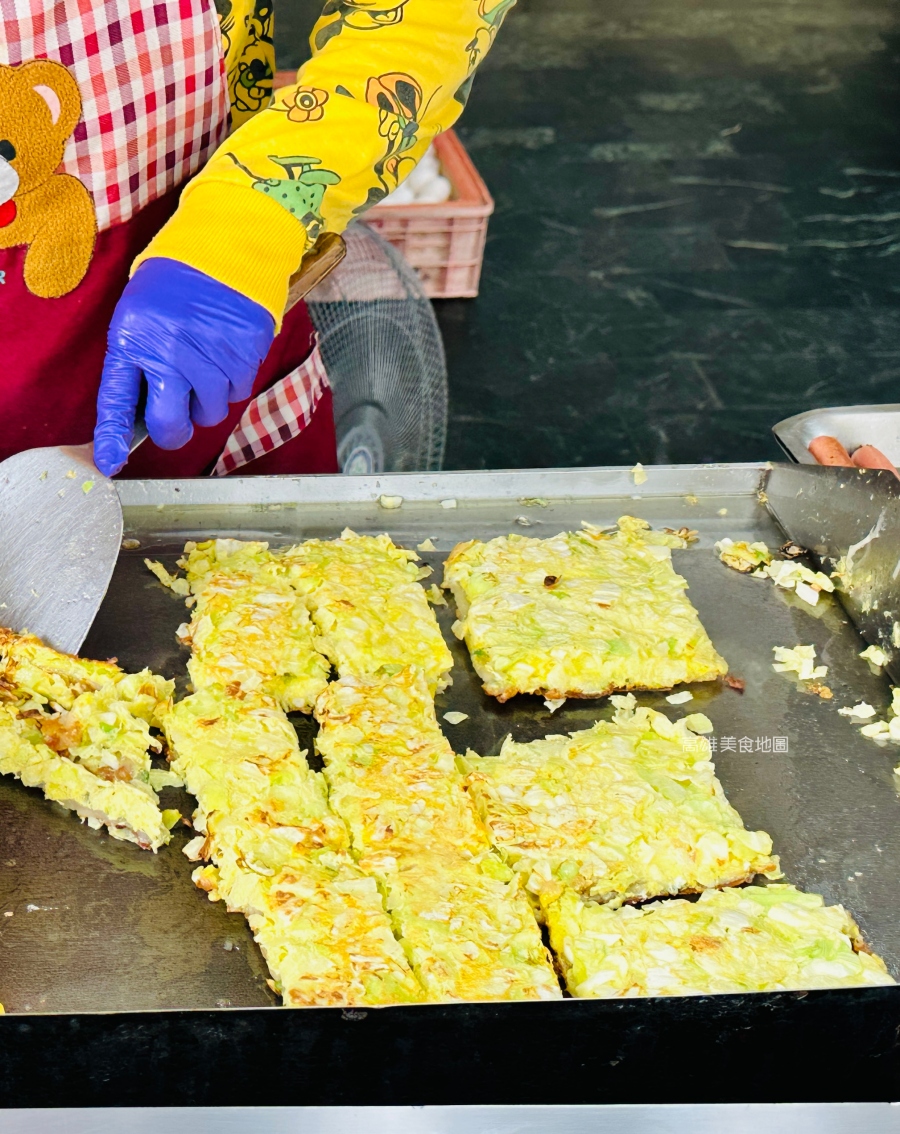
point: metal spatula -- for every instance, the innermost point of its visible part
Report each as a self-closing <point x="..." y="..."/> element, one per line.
<point x="851" y="515"/>
<point x="60" y="533"/>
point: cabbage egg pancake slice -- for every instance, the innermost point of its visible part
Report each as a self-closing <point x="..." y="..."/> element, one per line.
<point x="80" y="731"/>
<point x="627" y="810"/>
<point x="240" y="758"/>
<point x="751" y="939"/>
<point x="370" y="611"/>
<point x="250" y="630"/>
<point x="460" y="913"/>
<point x="580" y="615"/>
<point x="467" y="928"/>
<point x="391" y="773"/>
<point x="279" y="855"/>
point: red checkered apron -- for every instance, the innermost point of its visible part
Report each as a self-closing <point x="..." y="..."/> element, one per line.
<point x="154" y="106"/>
<point x="153" y="90"/>
<point x="276" y="416"/>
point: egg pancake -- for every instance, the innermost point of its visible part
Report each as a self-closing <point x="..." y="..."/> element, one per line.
<point x="752" y="939"/>
<point x="371" y="613"/>
<point x="459" y="912"/>
<point x="391" y="773"/>
<point x="579" y="615"/>
<point x="279" y="854"/>
<point x="80" y="731"/>
<point x="627" y="810"/>
<point x="240" y="759"/>
<point x="321" y="926"/>
<point x="466" y="926"/>
<point x="250" y="630"/>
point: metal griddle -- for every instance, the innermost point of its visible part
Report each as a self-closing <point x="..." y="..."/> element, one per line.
<point x="89" y="925"/>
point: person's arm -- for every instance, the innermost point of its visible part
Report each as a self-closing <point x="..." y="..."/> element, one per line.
<point x="381" y="84"/>
<point x="379" y="87"/>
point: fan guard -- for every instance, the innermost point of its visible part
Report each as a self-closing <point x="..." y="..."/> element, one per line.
<point x="383" y="352"/>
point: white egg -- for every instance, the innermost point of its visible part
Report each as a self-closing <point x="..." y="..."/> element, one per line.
<point x="402" y="195"/>
<point x="439" y="190"/>
<point x="424" y="173"/>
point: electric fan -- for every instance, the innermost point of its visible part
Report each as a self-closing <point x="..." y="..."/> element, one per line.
<point x="384" y="356"/>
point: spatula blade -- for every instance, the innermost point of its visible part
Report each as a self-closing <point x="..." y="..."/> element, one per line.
<point x="60" y="533"/>
<point x="849" y="515"/>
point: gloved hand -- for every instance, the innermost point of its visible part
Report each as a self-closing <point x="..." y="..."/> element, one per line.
<point x="197" y="343"/>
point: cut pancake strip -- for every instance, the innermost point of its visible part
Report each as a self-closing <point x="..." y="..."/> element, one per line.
<point x="252" y="627"/>
<point x="250" y="630"/>
<point x="79" y="731"/>
<point x="371" y="614"/>
<point x="466" y="927"/>
<point x="279" y="855"/>
<point x="580" y="615"/>
<point x="752" y="939"/>
<point x="319" y="918"/>
<point x="627" y="810"/>
<point x="459" y="912"/>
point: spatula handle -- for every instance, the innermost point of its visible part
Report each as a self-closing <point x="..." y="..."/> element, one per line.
<point x="319" y="261"/>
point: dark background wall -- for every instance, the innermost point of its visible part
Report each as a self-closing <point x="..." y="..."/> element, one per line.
<point x="697" y="227"/>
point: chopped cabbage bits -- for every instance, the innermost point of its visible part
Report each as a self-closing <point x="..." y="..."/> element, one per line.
<point x="793" y="576"/>
<point x="751" y="939"/>
<point x="800" y="660"/>
<point x="250" y="629"/>
<point x="627" y="810"/>
<point x="371" y="614"/>
<point x="279" y="855"/>
<point x="80" y="731"/>
<point x="875" y="655"/>
<point x="743" y="556"/>
<point x="459" y="912"/>
<point x="756" y="558"/>
<point x="579" y="615"/>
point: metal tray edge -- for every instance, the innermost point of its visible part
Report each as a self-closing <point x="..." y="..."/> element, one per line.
<point x="495" y="484"/>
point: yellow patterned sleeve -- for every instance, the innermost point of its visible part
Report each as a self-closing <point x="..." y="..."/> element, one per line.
<point x="381" y="84"/>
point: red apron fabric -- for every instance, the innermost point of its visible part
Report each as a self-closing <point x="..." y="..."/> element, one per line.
<point x="54" y="402"/>
<point x="154" y="103"/>
<point x="53" y="348"/>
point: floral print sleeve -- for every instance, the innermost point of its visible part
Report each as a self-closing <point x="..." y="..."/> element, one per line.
<point x="382" y="82"/>
<point x="246" y="28"/>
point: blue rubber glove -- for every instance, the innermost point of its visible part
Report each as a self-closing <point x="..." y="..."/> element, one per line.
<point x="197" y="343"/>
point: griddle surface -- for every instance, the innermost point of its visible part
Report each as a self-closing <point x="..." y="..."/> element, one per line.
<point x="91" y="924"/>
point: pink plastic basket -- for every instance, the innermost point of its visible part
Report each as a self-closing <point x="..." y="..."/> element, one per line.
<point x="445" y="242"/>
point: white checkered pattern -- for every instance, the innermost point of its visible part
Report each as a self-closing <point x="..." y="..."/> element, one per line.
<point x="275" y="416"/>
<point x="153" y="87"/>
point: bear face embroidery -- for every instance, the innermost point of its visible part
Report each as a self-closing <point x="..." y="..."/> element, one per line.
<point x="50" y="212"/>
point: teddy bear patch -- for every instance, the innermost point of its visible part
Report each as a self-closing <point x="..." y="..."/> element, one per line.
<point x="50" y="212"/>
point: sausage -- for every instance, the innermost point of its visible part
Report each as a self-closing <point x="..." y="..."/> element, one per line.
<point x="868" y="457"/>
<point x="829" y="451"/>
